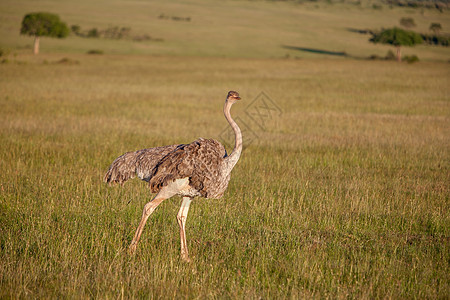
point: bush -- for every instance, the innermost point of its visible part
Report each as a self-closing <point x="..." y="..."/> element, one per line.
<point x="435" y="27"/>
<point x="411" y="59"/>
<point x="4" y="52"/>
<point x="93" y="33"/>
<point x="116" y="32"/>
<point x="95" y="51"/>
<point x="407" y="22"/>
<point x="75" y="29"/>
<point x="435" y="39"/>
<point x="67" y="61"/>
<point x="390" y="55"/>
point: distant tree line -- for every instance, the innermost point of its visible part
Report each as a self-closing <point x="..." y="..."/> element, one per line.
<point x="441" y="5"/>
<point x="112" y="32"/>
<point x="50" y="25"/>
<point x="429" y="39"/>
<point x="174" y="18"/>
<point x="437" y="4"/>
<point x="399" y="37"/>
<point x="434" y="38"/>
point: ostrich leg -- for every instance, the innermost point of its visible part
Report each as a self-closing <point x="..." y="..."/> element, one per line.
<point x="149" y="208"/>
<point x="181" y="217"/>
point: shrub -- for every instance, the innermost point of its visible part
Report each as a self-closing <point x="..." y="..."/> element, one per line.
<point x="411" y="59"/>
<point x="93" y="33"/>
<point x="75" y="29"/>
<point x="407" y="22"/>
<point x="435" y="39"/>
<point x="390" y="55"/>
<point x="435" y="27"/>
<point x="4" y="52"/>
<point x="67" y="61"/>
<point x="95" y="51"/>
<point x="374" y="57"/>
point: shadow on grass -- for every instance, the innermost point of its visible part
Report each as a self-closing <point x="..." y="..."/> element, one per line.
<point x="316" y="51"/>
<point x="360" y="31"/>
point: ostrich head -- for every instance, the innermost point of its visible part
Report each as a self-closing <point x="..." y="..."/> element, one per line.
<point x="233" y="96"/>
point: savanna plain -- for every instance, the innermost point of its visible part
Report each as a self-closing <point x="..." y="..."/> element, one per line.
<point x="342" y="190"/>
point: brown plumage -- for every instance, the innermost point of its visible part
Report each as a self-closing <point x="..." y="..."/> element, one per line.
<point x="201" y="161"/>
<point x="138" y="163"/>
<point x="201" y="168"/>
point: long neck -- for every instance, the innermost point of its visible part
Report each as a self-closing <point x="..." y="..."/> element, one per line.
<point x="233" y="158"/>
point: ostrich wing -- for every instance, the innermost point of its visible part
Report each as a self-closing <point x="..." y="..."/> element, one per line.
<point x="140" y="163"/>
<point x="200" y="160"/>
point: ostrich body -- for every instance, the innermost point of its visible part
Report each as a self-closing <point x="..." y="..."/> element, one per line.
<point x="201" y="168"/>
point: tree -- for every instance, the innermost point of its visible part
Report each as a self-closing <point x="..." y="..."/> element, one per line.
<point x="43" y="24"/>
<point x="435" y="27"/>
<point x="397" y="37"/>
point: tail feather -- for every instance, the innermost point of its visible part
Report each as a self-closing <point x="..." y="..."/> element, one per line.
<point x="138" y="163"/>
<point x="122" y="168"/>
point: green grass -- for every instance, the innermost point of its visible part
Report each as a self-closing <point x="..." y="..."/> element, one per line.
<point x="345" y="194"/>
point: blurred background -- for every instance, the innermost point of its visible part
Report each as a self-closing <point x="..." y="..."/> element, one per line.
<point x="232" y="28"/>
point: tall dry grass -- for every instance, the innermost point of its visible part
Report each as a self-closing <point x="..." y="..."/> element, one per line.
<point x="343" y="194"/>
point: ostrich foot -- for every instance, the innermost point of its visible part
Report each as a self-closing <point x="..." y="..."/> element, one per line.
<point x="132" y="248"/>
<point x="185" y="257"/>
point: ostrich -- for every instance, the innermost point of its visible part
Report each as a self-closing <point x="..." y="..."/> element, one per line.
<point x="201" y="168"/>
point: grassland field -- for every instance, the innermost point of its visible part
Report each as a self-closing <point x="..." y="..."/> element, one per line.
<point x="342" y="193"/>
